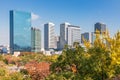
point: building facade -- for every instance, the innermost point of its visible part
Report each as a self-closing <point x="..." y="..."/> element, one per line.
<point x="69" y="34"/>
<point x="20" y="31"/>
<point x="86" y="36"/>
<point x="49" y="36"/>
<point x="93" y="37"/>
<point x="35" y="40"/>
<point x="73" y="35"/>
<point x="100" y="27"/>
<point x="63" y="34"/>
<point x="57" y="42"/>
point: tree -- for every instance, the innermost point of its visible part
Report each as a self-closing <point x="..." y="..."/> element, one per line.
<point x="37" y="71"/>
<point x="99" y="61"/>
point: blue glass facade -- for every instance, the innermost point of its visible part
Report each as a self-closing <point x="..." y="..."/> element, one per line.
<point x="100" y="27"/>
<point x="20" y="31"/>
<point x="46" y="36"/>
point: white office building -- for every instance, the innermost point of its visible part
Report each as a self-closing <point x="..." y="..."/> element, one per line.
<point x="73" y="34"/>
<point x="69" y="34"/>
<point x="49" y="36"/>
<point x="63" y="34"/>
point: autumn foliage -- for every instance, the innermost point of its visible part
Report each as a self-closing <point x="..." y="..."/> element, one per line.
<point x="38" y="71"/>
<point x="11" y="59"/>
<point x="97" y="61"/>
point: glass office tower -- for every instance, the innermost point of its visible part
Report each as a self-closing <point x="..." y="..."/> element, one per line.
<point x="100" y="27"/>
<point x="20" y="31"/>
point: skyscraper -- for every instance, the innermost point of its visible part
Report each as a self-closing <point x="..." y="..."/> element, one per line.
<point x="100" y="27"/>
<point x="93" y="37"/>
<point x="49" y="36"/>
<point x="35" y="39"/>
<point x="73" y="35"/>
<point x="63" y="34"/>
<point x="86" y="36"/>
<point x="69" y="34"/>
<point x="57" y="42"/>
<point x="20" y="31"/>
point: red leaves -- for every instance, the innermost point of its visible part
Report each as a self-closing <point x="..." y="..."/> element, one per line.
<point x="37" y="70"/>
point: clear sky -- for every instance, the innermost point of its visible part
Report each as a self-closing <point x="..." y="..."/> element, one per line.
<point x="84" y="13"/>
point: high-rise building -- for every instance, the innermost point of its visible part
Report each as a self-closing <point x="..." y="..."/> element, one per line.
<point x="100" y="27"/>
<point x="73" y="35"/>
<point x="20" y="31"/>
<point x="35" y="40"/>
<point x="49" y="36"/>
<point x="93" y="36"/>
<point x="86" y="36"/>
<point x="69" y="34"/>
<point x="63" y="34"/>
<point x="57" y="42"/>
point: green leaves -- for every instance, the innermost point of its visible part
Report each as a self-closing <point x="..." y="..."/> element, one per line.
<point x="97" y="62"/>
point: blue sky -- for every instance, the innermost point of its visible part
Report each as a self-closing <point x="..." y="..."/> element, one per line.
<point x="84" y="13"/>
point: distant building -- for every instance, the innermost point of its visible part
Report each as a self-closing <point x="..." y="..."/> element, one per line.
<point x="20" y="31"/>
<point x="100" y="27"/>
<point x="49" y="36"/>
<point x="73" y="35"/>
<point x="63" y="34"/>
<point x="69" y="34"/>
<point x="35" y="40"/>
<point x="57" y="42"/>
<point x="4" y="49"/>
<point x="93" y="36"/>
<point x="86" y="36"/>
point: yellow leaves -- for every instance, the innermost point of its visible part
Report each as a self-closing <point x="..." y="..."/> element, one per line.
<point x="86" y="43"/>
<point x="115" y="49"/>
<point x="97" y="34"/>
<point x="115" y="58"/>
<point x="111" y="73"/>
<point x="99" y="43"/>
<point x="87" y="55"/>
<point x="52" y="58"/>
<point x="103" y="40"/>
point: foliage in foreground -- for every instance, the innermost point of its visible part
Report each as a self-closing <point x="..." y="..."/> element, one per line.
<point x="36" y="66"/>
<point x="99" y="61"/>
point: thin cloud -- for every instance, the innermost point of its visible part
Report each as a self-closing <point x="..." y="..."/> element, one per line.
<point x="34" y="16"/>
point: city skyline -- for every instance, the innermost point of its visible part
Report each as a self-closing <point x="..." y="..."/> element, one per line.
<point x="84" y="13"/>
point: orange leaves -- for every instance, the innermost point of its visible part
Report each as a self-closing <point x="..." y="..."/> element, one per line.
<point x="37" y="70"/>
<point x="74" y="69"/>
<point x="11" y="59"/>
